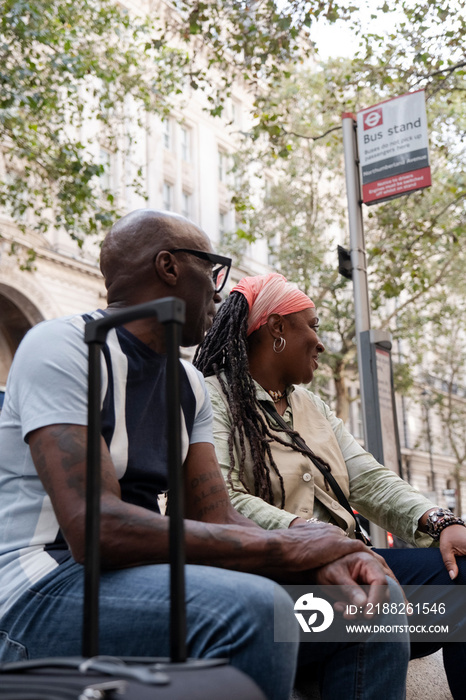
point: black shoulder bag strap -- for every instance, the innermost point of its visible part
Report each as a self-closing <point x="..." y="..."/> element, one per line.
<point x="327" y="474"/>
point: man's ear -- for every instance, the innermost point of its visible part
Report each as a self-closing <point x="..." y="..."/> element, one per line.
<point x="167" y="268"/>
<point x="275" y="325"/>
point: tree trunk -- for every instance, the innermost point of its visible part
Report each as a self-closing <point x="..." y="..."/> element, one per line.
<point x="341" y="390"/>
<point x="459" y="501"/>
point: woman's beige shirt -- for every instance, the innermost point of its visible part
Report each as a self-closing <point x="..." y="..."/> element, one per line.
<point x="372" y="489"/>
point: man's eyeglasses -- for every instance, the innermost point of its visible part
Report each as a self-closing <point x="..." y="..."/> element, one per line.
<point x="221" y="264"/>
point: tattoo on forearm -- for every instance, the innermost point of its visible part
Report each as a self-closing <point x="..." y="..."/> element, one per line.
<point x="210" y="508"/>
<point x="206" y="493"/>
<point x="203" y="478"/>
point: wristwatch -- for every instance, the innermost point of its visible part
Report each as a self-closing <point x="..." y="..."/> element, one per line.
<point x="438" y="520"/>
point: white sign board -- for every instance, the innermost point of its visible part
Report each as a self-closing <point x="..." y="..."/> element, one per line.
<point x="387" y="413"/>
<point x="393" y="147"/>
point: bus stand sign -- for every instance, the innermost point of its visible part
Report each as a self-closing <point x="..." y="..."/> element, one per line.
<point x="393" y="147"/>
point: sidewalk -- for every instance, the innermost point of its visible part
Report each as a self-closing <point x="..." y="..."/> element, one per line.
<point x="426" y="681"/>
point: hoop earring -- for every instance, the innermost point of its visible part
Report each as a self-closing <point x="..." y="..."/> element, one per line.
<point x="281" y="345"/>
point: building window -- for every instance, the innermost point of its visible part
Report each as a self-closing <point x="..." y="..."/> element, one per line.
<point x="186" y="205"/>
<point x="222" y="165"/>
<point x="22" y="208"/>
<point x="105" y="177"/>
<point x="267" y="188"/>
<point x="185" y="144"/>
<point x="167" y="196"/>
<point x="273" y="246"/>
<point x="221" y="225"/>
<point x="356" y="419"/>
<point x="167" y="134"/>
<point x="236" y="113"/>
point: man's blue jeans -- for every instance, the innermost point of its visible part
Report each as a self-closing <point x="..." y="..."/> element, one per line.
<point x="375" y="669"/>
<point x="229" y="614"/>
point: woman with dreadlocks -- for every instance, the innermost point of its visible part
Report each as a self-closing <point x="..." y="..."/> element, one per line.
<point x="286" y="458"/>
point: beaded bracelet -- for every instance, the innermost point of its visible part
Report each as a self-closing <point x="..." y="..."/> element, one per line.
<point x="438" y="520"/>
<point x="316" y="520"/>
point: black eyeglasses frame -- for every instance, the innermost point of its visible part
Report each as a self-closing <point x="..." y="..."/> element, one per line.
<point x="215" y="259"/>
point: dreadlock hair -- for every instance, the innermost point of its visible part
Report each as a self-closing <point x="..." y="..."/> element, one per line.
<point x="225" y="349"/>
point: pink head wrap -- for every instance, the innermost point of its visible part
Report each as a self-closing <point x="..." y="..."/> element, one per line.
<point x="270" y="294"/>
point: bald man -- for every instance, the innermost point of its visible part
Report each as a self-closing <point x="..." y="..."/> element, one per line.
<point x="230" y="612"/>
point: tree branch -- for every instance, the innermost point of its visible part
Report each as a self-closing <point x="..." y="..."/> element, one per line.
<point x="449" y="70"/>
<point x="419" y="294"/>
<point x="461" y="196"/>
<point x="311" y="138"/>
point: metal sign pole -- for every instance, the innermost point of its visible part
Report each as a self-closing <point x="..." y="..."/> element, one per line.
<point x="358" y="250"/>
<point x="360" y="287"/>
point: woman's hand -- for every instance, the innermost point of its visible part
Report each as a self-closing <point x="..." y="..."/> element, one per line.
<point x="452" y="544"/>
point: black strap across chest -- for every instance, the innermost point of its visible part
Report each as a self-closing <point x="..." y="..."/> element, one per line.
<point x="325" y="471"/>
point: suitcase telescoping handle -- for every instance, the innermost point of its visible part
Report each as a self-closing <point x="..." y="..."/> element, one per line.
<point x="169" y="311"/>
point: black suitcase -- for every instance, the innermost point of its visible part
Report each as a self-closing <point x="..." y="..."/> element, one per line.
<point x="94" y="676"/>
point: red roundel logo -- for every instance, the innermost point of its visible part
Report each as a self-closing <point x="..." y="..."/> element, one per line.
<point x="373" y="118"/>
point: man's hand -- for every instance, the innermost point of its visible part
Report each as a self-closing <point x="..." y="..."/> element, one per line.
<point x="452" y="544"/>
<point x="312" y="545"/>
<point x="345" y="575"/>
<point x="381" y="561"/>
